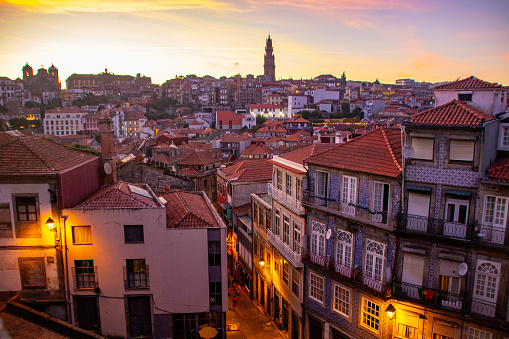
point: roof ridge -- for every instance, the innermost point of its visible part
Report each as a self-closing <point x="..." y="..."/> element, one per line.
<point x="390" y="149"/>
<point x="30" y="149"/>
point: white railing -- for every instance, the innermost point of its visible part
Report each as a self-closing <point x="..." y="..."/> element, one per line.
<point x="292" y="257"/>
<point x="346" y="208"/>
<point x="287" y="200"/>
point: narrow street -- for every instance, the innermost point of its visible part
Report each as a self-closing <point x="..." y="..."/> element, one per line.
<point x="253" y="322"/>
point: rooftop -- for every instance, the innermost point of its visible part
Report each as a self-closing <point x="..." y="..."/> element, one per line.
<point x="189" y="210"/>
<point x="454" y="113"/>
<point x="468" y="83"/>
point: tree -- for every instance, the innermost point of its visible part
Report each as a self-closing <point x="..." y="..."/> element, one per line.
<point x="316" y="114"/>
<point x="24" y="123"/>
<point x="345" y="109"/>
<point x="83" y="148"/>
<point x="260" y="119"/>
<point x="358" y="113"/>
<point x="305" y="114"/>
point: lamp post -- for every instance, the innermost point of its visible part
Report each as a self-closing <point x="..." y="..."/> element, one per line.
<point x="66" y="272"/>
<point x="391" y="311"/>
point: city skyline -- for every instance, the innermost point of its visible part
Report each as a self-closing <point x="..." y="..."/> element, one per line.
<point x="423" y="40"/>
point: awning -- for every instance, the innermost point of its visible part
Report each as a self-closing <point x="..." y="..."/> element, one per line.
<point x="458" y="194"/>
<point x="417" y="189"/>
<point x="226" y="205"/>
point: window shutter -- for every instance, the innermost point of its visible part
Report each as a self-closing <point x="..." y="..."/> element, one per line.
<point x="461" y="150"/>
<point x="423" y="148"/>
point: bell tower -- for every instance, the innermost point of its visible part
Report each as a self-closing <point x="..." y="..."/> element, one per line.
<point x="269" y="66"/>
<point x="27" y="71"/>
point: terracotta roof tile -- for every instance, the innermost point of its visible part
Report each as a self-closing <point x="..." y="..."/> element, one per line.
<point x="256" y="150"/>
<point x="376" y="152"/>
<point x="468" y="83"/>
<point x="249" y="170"/>
<point x="454" y="113"/>
<point x="120" y="195"/>
<point x="22" y="156"/>
<point x="499" y="171"/>
<point x="188" y="210"/>
<point x="197" y="158"/>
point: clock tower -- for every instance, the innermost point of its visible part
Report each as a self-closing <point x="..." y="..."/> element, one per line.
<point x="269" y="67"/>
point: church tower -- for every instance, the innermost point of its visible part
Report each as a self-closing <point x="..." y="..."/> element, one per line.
<point x="269" y="66"/>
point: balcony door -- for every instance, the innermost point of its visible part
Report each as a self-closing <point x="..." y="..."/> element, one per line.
<point x="322" y="185"/>
<point x="413" y="268"/>
<point x="456" y="217"/>
<point x="418" y="211"/>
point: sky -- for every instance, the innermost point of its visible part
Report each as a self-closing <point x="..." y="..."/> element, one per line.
<point x="425" y="40"/>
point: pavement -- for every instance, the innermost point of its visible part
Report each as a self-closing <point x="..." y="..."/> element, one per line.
<point x="253" y="323"/>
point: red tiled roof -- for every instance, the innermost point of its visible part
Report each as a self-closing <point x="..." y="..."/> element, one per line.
<point x="278" y="129"/>
<point x="454" y="113"/>
<point x="119" y="195"/>
<point x="299" y="156"/>
<point x="197" y="158"/>
<point x="376" y="152"/>
<point x="255" y="149"/>
<point x="22" y="156"/>
<point x="161" y="157"/>
<point x="249" y="170"/>
<point x="294" y="138"/>
<point x="188" y="210"/>
<point x="499" y="171"/>
<point x="469" y="83"/>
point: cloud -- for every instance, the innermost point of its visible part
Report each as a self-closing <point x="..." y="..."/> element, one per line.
<point x="94" y="6"/>
<point x="341" y="4"/>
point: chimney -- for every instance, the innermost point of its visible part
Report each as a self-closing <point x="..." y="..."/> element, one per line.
<point x="110" y="167"/>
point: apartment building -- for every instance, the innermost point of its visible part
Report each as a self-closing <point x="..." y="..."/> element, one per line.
<point x="63" y="121"/>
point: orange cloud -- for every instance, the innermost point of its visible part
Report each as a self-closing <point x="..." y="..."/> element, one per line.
<point x="63" y="6"/>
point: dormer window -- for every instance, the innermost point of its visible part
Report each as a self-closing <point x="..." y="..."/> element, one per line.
<point x="465" y="97"/>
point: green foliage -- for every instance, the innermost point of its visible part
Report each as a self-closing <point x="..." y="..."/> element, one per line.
<point x="83" y="148"/>
<point x="358" y="113"/>
<point x="32" y="104"/>
<point x="260" y="119"/>
<point x="305" y="114"/>
<point x="24" y="123"/>
<point x="90" y="100"/>
<point x="316" y="114"/>
<point x="345" y="108"/>
<point x="161" y="105"/>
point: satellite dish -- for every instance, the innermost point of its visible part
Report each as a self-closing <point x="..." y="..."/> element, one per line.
<point x="462" y="269"/>
<point x="107" y="168"/>
<point x="408" y="151"/>
<point x="329" y="232"/>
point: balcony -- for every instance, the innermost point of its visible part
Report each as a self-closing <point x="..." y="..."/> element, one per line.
<point x="428" y="296"/>
<point x="434" y="226"/>
<point x="292" y="257"/>
<point x="85" y="278"/>
<point x="285" y="199"/>
<point x="136" y="277"/>
<point x="343" y="273"/>
<point x="490" y="234"/>
<point x="348" y="210"/>
<point x="483" y="307"/>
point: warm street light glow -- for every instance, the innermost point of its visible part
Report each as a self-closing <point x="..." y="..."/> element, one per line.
<point x="262" y="262"/>
<point x="390" y="310"/>
<point x="50" y="223"/>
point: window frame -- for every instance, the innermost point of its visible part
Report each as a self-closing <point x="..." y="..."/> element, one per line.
<point x="286" y="230"/>
<point x="349" y="189"/>
<point x="347" y="302"/>
<point x="74" y="234"/>
<point x="314" y="290"/>
<point x="343" y="248"/>
<point x="318" y="243"/>
<point x="366" y="314"/>
<point x="134" y="241"/>
<point x="424" y="152"/>
<point x="455" y="145"/>
<point x="371" y="273"/>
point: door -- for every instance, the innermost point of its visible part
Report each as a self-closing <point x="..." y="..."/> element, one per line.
<point x="413" y="269"/>
<point x="140" y="317"/>
<point x="418" y="211"/>
<point x="456" y="217"/>
<point x="315" y="329"/>
<point x="87" y="313"/>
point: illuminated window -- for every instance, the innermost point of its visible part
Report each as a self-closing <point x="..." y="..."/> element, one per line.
<point x="370" y="315"/>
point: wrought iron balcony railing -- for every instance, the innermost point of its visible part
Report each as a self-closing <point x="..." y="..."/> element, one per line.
<point x="436" y="226"/>
<point x="85" y="278"/>
<point x="428" y="296"/>
<point x="348" y="210"/>
<point x="292" y="257"/>
<point x="490" y="234"/>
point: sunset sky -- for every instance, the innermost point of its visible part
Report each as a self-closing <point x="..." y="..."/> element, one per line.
<point x="428" y="40"/>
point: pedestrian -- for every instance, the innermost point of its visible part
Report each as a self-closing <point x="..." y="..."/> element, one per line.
<point x="235" y="303"/>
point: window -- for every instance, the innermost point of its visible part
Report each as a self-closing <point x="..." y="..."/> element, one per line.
<point x="85" y="274"/>
<point x="286" y="230"/>
<point x="137" y="273"/>
<point x="215" y="293"/>
<point x="370" y="315"/>
<point x="81" y="235"/>
<point x="380" y="201"/>
<point x="349" y="190"/>
<point x="214" y="253"/>
<point x="465" y="97"/>
<point x="133" y="234"/>
<point x="288" y="184"/>
<point x="255" y="212"/>
<point x="423" y="148"/>
<point x="5" y="216"/>
<point x="285" y="271"/>
<point x="260" y="217"/>
<point x="296" y="238"/>
<point x="316" y="285"/>
<point x="495" y="219"/>
<point x="461" y="150"/>
<point x="341" y="300"/>
<point x="407" y="331"/>
<point x="374" y="263"/>
<point x="456" y="217"/>
<point x="276" y="263"/>
<point x="279" y="179"/>
<point x="277" y="223"/>
<point x="298" y="184"/>
<point x="318" y="238"/>
<point x="321" y="188"/>
<point x="486" y="286"/>
<point x="504" y="136"/>
<point x="344" y="251"/>
<point x="32" y="273"/>
<point x="474" y="333"/>
<point x="26" y="208"/>
<point x="295" y="282"/>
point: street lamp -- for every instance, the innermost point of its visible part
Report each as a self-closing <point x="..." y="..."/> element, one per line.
<point x="262" y="262"/>
<point x="390" y="310"/>
<point x="50" y="224"/>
